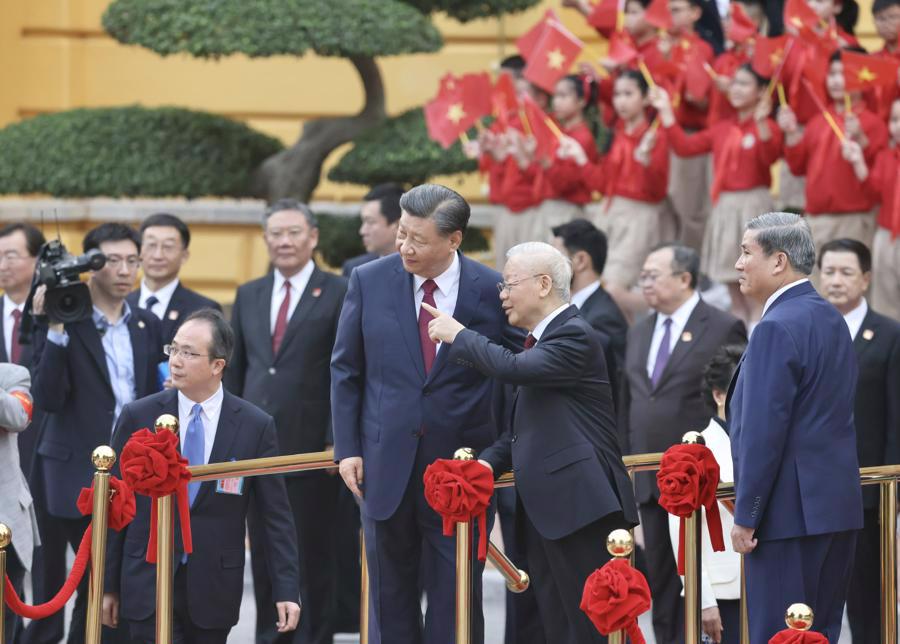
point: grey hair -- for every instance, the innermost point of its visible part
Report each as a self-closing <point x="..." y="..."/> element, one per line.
<point x="446" y="207"/>
<point x="293" y="205"/>
<point x="787" y="233"/>
<point x="544" y="257"/>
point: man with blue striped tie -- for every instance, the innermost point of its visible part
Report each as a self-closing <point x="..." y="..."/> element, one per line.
<point x="219" y="427"/>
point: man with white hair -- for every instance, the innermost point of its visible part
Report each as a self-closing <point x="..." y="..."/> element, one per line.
<point x="573" y="487"/>
<point x="798" y="502"/>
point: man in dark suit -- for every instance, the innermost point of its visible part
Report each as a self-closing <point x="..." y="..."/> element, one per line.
<point x="214" y="426"/>
<point x="562" y="383"/>
<point x="662" y="397"/>
<point x="164" y="250"/>
<point x="798" y="502"/>
<point x="284" y="326"/>
<point x="845" y="272"/>
<point x="84" y="373"/>
<point x="398" y="404"/>
<point x="379" y="214"/>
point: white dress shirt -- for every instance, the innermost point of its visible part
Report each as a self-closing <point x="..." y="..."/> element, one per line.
<point x="679" y="321"/>
<point x="854" y="318"/>
<point x="298" y="285"/>
<point x="163" y="297"/>
<point x="580" y="297"/>
<point x="446" y="293"/>
<point x="774" y="296"/>
<point x="538" y="331"/>
<point x="212" y="409"/>
<point x="8" y="321"/>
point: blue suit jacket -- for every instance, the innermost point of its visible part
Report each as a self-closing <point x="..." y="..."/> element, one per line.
<point x="215" y="573"/>
<point x="384" y="407"/>
<point x="790" y="415"/>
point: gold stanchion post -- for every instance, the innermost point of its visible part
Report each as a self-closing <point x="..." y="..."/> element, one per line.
<point x="5" y="540"/>
<point x="363" y="591"/>
<point x="164" y="551"/>
<point x="693" y="622"/>
<point x="888" y="512"/>
<point x="620" y="544"/>
<point x="103" y="458"/>
<point x="799" y="617"/>
<point x="464" y="568"/>
<point x="517" y="580"/>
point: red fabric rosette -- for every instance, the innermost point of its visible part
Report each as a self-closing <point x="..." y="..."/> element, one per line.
<point x="687" y="479"/>
<point x="788" y="636"/>
<point x="614" y="597"/>
<point x="460" y="491"/>
<point x="121" y="505"/>
<point x="152" y="465"/>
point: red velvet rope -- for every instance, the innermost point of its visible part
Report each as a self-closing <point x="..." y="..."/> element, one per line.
<point x="152" y="466"/>
<point x="460" y="491"/>
<point x="614" y="597"/>
<point x="687" y="478"/>
<point x="788" y="636"/>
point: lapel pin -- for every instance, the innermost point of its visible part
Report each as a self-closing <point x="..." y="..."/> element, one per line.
<point x="141" y="324"/>
<point x="686" y="336"/>
<point x="868" y="334"/>
<point x="316" y="292"/>
<point x="173" y="315"/>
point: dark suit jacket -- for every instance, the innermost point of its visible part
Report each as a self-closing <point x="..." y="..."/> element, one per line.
<point x="790" y="416"/>
<point x="215" y="570"/>
<point x="292" y="386"/>
<point x="652" y="419"/>
<point x="573" y="475"/>
<point x="27" y="353"/>
<point x="602" y="313"/>
<point x="184" y="302"/>
<point x="385" y="407"/>
<point x="71" y="386"/>
<point x="877" y="409"/>
<point x="359" y="260"/>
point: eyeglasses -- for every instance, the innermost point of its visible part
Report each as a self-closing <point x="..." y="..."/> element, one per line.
<point x="114" y="261"/>
<point x="649" y="278"/>
<point x="173" y="351"/>
<point x="12" y="257"/>
<point x="507" y="286"/>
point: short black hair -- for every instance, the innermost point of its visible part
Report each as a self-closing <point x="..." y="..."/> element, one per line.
<point x="170" y="221"/>
<point x="880" y="5"/>
<point x="761" y="81"/>
<point x="837" y="54"/>
<point x="110" y="231"/>
<point x="719" y="370"/>
<point x="388" y="197"/>
<point x="695" y="3"/>
<point x="580" y="234"/>
<point x="34" y="238"/>
<point x="848" y="16"/>
<point x="222" y="345"/>
<point x="515" y="64"/>
<point x="637" y="77"/>
<point x="846" y="245"/>
<point x="586" y="88"/>
<point x="291" y="204"/>
<point x="643" y="3"/>
<point x="446" y="207"/>
<point x="684" y="260"/>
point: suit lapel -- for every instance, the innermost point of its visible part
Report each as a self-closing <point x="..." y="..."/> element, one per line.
<point x="304" y="307"/>
<point x="867" y="332"/>
<point x="4" y="357"/>
<point x="140" y="351"/>
<point x="690" y="335"/>
<point x="88" y="335"/>
<point x="262" y="316"/>
<point x="406" y="316"/>
<point x="176" y="306"/>
<point x="229" y="422"/>
<point x="645" y="337"/>
<point x="467" y="300"/>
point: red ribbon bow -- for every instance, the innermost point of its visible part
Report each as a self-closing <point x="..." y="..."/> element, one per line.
<point x="788" y="636"/>
<point x="614" y="597"/>
<point x="460" y="491"/>
<point x="687" y="478"/>
<point x="121" y="505"/>
<point x="152" y="466"/>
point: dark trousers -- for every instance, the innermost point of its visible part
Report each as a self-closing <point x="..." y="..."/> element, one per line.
<point x="15" y="571"/>
<point x="559" y="568"/>
<point x="312" y="497"/>
<point x="864" y="598"/>
<point x="813" y="570"/>
<point x="396" y="549"/>
<point x="523" y="620"/>
<point x="730" y="614"/>
<point x="662" y="575"/>
<point x="184" y="631"/>
<point x="348" y="570"/>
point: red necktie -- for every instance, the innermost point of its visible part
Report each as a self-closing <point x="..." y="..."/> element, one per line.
<point x="530" y="341"/>
<point x="15" y="349"/>
<point x="429" y="348"/>
<point x="282" y="319"/>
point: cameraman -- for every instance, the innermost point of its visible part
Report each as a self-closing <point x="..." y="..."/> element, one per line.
<point x="84" y="373"/>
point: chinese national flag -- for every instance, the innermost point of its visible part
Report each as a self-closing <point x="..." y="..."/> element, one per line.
<point x="768" y="54"/>
<point x="740" y="27"/>
<point x="535" y="123"/>
<point x="605" y="17"/>
<point x="527" y="42"/>
<point x="552" y="57"/>
<point x="444" y="117"/>
<point x="621" y="49"/>
<point x="476" y="94"/>
<point x="658" y="14"/>
<point x="862" y="72"/>
<point x="799" y="15"/>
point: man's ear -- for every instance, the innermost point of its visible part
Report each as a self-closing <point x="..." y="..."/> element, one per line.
<point x="455" y="239"/>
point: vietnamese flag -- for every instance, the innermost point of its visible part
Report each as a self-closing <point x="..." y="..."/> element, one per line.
<point x="527" y="42"/>
<point x="740" y="27"/>
<point x="768" y="55"/>
<point x="621" y="50"/>
<point x="504" y="100"/>
<point x="552" y="57"/>
<point x="605" y="17"/>
<point x="476" y="94"/>
<point x="799" y="15"/>
<point x="445" y="118"/>
<point x="863" y="72"/>
<point x="535" y="122"/>
<point x="658" y="15"/>
<point x="697" y="80"/>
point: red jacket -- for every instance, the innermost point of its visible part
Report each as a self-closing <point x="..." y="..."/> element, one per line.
<point x="564" y="177"/>
<point x="883" y="184"/>
<point x="619" y="173"/>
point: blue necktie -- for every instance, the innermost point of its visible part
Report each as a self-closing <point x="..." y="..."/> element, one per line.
<point x="662" y="355"/>
<point x="194" y="446"/>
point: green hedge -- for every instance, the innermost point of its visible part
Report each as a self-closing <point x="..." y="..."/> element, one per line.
<point x="131" y="151"/>
<point x="465" y="10"/>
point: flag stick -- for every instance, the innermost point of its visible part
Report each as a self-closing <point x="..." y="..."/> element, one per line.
<point x="782" y="100"/>
<point x="777" y="74"/>
<point x="554" y="127"/>
<point x="525" y="124"/>
<point x="834" y="126"/>
<point x="646" y="73"/>
<point x="709" y="70"/>
<point x="848" y="106"/>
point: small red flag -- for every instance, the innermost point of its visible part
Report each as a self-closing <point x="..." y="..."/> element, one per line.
<point x="799" y="15"/>
<point x="862" y="72"/>
<point x="536" y="123"/>
<point x="476" y="93"/>
<point x="621" y="49"/>
<point x="527" y="42"/>
<point x="605" y="17"/>
<point x="503" y="96"/>
<point x="445" y="119"/>
<point x="658" y="15"/>
<point x="697" y="80"/>
<point x="768" y="54"/>
<point x="740" y="27"/>
<point x="552" y="57"/>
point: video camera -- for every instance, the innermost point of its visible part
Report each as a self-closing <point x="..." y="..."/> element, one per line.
<point x="68" y="298"/>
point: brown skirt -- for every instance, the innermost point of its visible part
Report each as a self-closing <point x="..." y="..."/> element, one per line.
<point x="632" y="228"/>
<point x="729" y="217"/>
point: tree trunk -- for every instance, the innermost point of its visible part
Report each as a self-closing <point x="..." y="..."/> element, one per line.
<point x="295" y="171"/>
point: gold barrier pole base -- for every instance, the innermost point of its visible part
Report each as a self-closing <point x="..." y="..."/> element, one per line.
<point x="888" y="518"/>
<point x="5" y="540"/>
<point x="363" y="591"/>
<point x="103" y="458"/>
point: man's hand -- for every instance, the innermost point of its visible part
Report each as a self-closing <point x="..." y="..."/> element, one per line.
<point x="712" y="623"/>
<point x="109" y="615"/>
<point x="351" y="470"/>
<point x="443" y="328"/>
<point x="37" y="307"/>
<point x="742" y="539"/>
<point x="288" y="616"/>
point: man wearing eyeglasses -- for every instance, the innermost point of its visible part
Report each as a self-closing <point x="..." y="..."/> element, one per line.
<point x="84" y="373"/>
